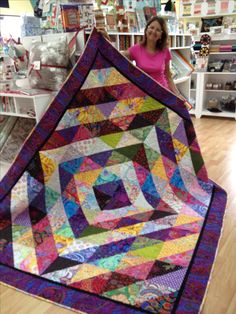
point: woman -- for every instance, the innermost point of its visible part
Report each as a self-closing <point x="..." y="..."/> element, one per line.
<point x="152" y="55"/>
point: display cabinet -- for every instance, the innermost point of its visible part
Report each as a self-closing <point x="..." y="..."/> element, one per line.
<point x="218" y="83"/>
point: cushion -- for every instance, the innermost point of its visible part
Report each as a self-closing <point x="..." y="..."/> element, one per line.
<point x="205" y="39"/>
<point x="48" y="64"/>
<point x="209" y="22"/>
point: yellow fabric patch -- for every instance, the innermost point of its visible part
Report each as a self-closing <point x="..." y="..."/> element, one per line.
<point x="178" y="246"/>
<point x="132" y="230"/>
<point x="89" y="115"/>
<point x="48" y="166"/>
<point x="184" y="219"/>
<point x="159" y="169"/>
<point x="88" y="271"/>
<point x="62" y="243"/>
<point x="180" y="149"/>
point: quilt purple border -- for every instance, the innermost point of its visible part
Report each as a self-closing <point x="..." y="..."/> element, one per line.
<point x="191" y="294"/>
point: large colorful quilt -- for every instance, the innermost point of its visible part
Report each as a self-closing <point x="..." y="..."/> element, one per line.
<point x="108" y="207"/>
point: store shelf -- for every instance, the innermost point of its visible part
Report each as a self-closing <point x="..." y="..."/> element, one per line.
<point x="182" y="79"/>
<point x="26" y="106"/>
<point x="218" y="37"/>
<point x="13" y="114"/>
<point x="123" y="40"/>
<point x="192" y="111"/>
<point x="228" y="91"/>
<point x="180" y="48"/>
<point x="220" y="73"/>
<point x="223" y="53"/>
<point x="205" y="16"/>
<point x="204" y="96"/>
<point x="224" y="114"/>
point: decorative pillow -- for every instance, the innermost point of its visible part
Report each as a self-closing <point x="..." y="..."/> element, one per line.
<point x="205" y="39"/>
<point x="48" y="64"/>
<point x="204" y="52"/>
<point x="207" y="23"/>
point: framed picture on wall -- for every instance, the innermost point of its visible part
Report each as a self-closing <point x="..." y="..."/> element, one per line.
<point x="4" y="4"/>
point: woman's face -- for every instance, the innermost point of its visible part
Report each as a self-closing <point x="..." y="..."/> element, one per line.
<point x="154" y="31"/>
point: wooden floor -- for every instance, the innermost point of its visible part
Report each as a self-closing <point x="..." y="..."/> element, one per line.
<point x="217" y="139"/>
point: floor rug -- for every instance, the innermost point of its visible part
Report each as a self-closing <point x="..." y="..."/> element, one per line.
<point x="108" y="207"/>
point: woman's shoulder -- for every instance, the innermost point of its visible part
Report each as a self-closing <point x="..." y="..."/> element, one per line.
<point x="166" y="49"/>
<point x="135" y="47"/>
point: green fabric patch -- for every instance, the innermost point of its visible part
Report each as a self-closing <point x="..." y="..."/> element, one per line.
<point x="197" y="160"/>
<point x="141" y="133"/>
<point x="142" y="242"/>
<point x="91" y="230"/>
<point x="129" y="151"/>
<point x="150" y="252"/>
<point x="18" y="231"/>
<point x="130" y="292"/>
<point x="116" y="158"/>
<point x="65" y="231"/>
<point x="51" y="197"/>
<point x="152" y="156"/>
<point x="110" y="263"/>
<point x="112" y="139"/>
<point x="150" y="104"/>
<point x="163" y="122"/>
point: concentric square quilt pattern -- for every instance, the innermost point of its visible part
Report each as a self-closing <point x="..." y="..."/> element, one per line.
<point x="108" y="207"/>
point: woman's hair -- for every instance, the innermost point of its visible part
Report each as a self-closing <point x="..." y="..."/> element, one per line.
<point x="161" y="43"/>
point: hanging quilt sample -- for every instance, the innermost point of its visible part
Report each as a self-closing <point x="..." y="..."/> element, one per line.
<point x="108" y="207"/>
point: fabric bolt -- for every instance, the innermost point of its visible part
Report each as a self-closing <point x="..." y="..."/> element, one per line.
<point x="211" y="7"/>
<point x="187" y="9"/>
<point x="227" y="48"/>
<point x="214" y="48"/>
<point x="108" y="207"/>
<point x="197" y="46"/>
<point x="224" y="5"/>
<point x="197" y="9"/>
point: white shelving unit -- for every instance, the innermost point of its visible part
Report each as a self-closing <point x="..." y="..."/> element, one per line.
<point x="33" y="106"/>
<point x="26" y="106"/>
<point x="193" y="12"/>
<point x="183" y="46"/>
<point x="193" y="92"/>
<point x="199" y="80"/>
<point x="176" y="40"/>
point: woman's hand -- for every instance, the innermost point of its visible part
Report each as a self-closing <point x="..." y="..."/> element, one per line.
<point x="103" y="31"/>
